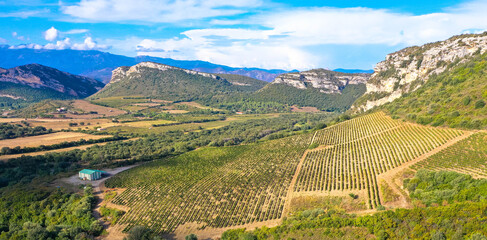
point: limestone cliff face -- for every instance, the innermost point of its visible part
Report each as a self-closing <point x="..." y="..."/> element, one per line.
<point x="408" y="69"/>
<point x="122" y="72"/>
<point x="325" y="80"/>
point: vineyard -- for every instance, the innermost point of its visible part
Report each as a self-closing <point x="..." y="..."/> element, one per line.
<point x="468" y="156"/>
<point x="212" y="187"/>
<point x="358" y="150"/>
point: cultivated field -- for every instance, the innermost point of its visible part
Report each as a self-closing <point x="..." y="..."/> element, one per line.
<point x="211" y="187"/>
<point x="359" y="150"/>
<point x="146" y="127"/>
<point x="89" y="107"/>
<point x="48" y="139"/>
<point x="468" y="156"/>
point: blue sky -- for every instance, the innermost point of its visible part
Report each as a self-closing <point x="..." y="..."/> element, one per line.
<point x="241" y="33"/>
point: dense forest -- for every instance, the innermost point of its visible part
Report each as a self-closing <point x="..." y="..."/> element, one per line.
<point x="43" y="214"/>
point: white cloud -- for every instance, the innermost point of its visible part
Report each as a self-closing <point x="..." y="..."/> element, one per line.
<point x="161" y="11"/>
<point x="291" y="39"/>
<point x="25" y="14"/>
<point x="17" y="36"/>
<point x="3" y="40"/>
<point x="51" y="34"/>
<point x="76" y="31"/>
<point x="88" y="44"/>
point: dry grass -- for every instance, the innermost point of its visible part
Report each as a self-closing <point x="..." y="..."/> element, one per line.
<point x="304" y="109"/>
<point x="5" y="158"/>
<point x="88" y="107"/>
<point x="48" y="139"/>
<point x="346" y="203"/>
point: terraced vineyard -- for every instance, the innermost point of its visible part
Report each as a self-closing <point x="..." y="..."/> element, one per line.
<point x="468" y="156"/>
<point x="211" y="187"/>
<point x="360" y="149"/>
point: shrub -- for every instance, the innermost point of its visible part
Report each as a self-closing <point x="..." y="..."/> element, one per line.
<point x="479" y="104"/>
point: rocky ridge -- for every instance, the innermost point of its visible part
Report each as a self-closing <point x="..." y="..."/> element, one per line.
<point x="326" y="81"/>
<point x="122" y="72"/>
<point x="39" y="76"/>
<point x="408" y="69"/>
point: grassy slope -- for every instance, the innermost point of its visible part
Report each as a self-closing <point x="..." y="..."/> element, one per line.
<point x="168" y="85"/>
<point x="251" y="84"/>
<point x="310" y="97"/>
<point x="454" y="98"/>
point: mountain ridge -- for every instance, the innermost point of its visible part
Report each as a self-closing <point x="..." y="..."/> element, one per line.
<point x="99" y="65"/>
<point x="39" y="77"/>
<point x="408" y="69"/>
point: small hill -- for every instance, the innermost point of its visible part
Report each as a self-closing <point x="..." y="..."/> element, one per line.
<point x="408" y="69"/>
<point x="320" y="88"/>
<point x="34" y="82"/>
<point x="166" y="82"/>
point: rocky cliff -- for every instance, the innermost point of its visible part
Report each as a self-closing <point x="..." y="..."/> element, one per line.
<point x="325" y="80"/>
<point x="408" y="69"/>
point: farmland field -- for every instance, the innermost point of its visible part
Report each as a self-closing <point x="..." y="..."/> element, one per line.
<point x="146" y="127"/>
<point x="211" y="187"/>
<point x="48" y="139"/>
<point x="359" y="150"/>
<point x="468" y="156"/>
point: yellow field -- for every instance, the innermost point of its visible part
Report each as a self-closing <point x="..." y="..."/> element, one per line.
<point x="147" y="124"/>
<point x="48" y="139"/>
<point x="5" y="158"/>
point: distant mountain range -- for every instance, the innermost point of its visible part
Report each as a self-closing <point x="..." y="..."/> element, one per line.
<point x="35" y="82"/>
<point x="99" y="65"/>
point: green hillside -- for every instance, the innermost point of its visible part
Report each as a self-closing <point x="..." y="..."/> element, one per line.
<point x="171" y="84"/>
<point x="243" y="83"/>
<point x="311" y="97"/>
<point x="456" y="98"/>
<point x="25" y="95"/>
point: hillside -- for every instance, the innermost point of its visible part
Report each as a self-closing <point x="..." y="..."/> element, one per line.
<point x="99" y="65"/>
<point x="260" y="184"/>
<point x="455" y="98"/>
<point x="34" y="82"/>
<point x="320" y="88"/>
<point x="244" y="83"/>
<point x="165" y="82"/>
<point x="407" y="70"/>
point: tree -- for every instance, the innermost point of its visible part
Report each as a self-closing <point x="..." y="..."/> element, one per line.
<point x="191" y="237"/>
<point x="139" y="233"/>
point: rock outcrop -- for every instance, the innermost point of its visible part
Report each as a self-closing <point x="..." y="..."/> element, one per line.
<point x="408" y="69"/>
<point x="325" y="80"/>
<point x="122" y="72"/>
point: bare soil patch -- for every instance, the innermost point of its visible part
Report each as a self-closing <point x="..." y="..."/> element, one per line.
<point x="89" y="107"/>
<point x="5" y="158"/>
<point x="304" y="109"/>
<point x="48" y="139"/>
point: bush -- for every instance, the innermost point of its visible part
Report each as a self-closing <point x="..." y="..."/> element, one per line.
<point x="479" y="104"/>
<point x="191" y="237"/>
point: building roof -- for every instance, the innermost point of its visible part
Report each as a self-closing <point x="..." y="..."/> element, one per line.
<point x="87" y="171"/>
